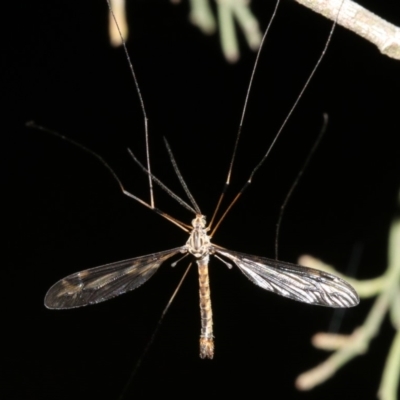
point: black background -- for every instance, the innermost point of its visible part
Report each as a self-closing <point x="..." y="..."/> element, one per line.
<point x="65" y="213"/>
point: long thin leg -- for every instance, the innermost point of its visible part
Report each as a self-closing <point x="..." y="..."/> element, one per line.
<point x="138" y="91"/>
<point x="151" y="340"/>
<point x="159" y="183"/>
<point x="146" y="131"/>
<point x="296" y="181"/>
<point x="181" y="225"/>
<point x="235" y="147"/>
<point x="261" y="162"/>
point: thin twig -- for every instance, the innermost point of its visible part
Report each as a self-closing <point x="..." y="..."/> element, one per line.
<point x="346" y="347"/>
<point x="384" y="35"/>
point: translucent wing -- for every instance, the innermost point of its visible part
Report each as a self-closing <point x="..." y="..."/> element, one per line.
<point x="105" y="282"/>
<point x="294" y="281"/>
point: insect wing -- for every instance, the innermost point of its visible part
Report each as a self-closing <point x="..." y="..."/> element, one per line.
<point x="101" y="283"/>
<point x="299" y="283"/>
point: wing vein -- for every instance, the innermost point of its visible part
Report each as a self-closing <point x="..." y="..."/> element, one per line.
<point x="101" y="283"/>
<point x="294" y="281"/>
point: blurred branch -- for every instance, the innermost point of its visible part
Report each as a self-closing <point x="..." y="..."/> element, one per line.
<point x="235" y="15"/>
<point x="230" y="13"/>
<point x="119" y="8"/>
<point x="364" y="23"/>
<point x="201" y="15"/>
<point x="366" y="288"/>
<point x="390" y="378"/>
<point x="346" y="347"/>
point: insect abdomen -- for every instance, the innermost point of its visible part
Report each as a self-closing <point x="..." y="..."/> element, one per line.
<point x="206" y="336"/>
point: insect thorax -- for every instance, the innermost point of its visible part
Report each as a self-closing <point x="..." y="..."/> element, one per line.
<point x="199" y="243"/>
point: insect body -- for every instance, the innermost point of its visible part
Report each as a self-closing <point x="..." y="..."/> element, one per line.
<point x="293" y="281"/>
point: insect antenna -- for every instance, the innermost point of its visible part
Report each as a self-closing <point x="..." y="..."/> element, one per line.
<point x="297" y="180"/>
<point x="261" y="162"/>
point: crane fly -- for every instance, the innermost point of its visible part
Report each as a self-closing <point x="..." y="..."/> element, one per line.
<point x="293" y="281"/>
<point x="296" y="282"/>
